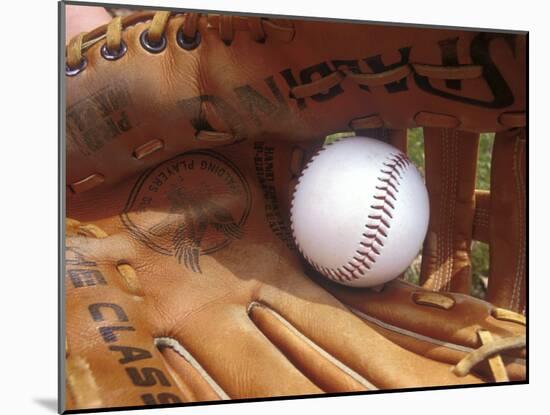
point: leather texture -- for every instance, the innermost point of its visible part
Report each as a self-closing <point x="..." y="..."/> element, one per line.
<point x="243" y="89"/>
<point x="507" y="223"/>
<point x="182" y="280"/>
<point x="251" y="317"/>
<point x="451" y="158"/>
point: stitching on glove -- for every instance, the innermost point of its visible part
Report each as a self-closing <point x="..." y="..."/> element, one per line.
<point x="481" y="217"/>
<point x="450" y="259"/>
<point x="442" y="200"/>
<point x="176" y="346"/>
<point x="444" y="255"/>
<point x="520" y="197"/>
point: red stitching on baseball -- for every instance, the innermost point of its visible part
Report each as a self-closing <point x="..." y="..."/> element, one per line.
<point x="388" y="191"/>
<point x="389" y="181"/>
<point x="381" y="219"/>
<point x="385" y="200"/>
<point x="397" y="163"/>
<point x="383" y="208"/>
<point x="392" y="175"/>
<point x="394" y="168"/>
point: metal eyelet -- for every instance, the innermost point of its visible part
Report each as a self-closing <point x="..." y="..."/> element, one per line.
<point x="78" y="69"/>
<point x="187" y="43"/>
<point x="152" y="47"/>
<point x="113" y="56"/>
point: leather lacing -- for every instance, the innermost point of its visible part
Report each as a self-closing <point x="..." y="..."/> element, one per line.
<point x="153" y="38"/>
<point x="188" y="37"/>
<point x="490" y="350"/>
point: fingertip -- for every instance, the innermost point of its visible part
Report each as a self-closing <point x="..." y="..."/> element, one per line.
<point x="83" y="19"/>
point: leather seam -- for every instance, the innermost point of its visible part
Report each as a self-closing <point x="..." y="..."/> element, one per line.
<point x="442" y="208"/>
<point x="178" y="348"/>
<point x="326" y="355"/>
<point x="515" y="300"/>
<point x="452" y="209"/>
<point x="442" y="250"/>
<point x="421" y="337"/>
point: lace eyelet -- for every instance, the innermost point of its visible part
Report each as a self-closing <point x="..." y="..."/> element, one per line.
<point x="152" y="47"/>
<point x="188" y="43"/>
<point x="78" y="69"/>
<point x="113" y="56"/>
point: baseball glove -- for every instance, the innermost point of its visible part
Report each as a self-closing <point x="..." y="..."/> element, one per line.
<point x="185" y="136"/>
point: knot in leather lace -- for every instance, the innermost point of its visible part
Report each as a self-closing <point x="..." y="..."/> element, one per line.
<point x="490" y="352"/>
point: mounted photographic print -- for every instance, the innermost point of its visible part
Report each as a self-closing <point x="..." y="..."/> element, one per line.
<point x="265" y="207"/>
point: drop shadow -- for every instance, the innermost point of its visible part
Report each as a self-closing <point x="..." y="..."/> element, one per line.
<point x="48" y="403"/>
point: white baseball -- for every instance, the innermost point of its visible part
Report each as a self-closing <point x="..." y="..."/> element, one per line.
<point x="360" y="212"/>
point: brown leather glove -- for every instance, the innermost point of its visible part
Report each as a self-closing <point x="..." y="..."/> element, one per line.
<point x="182" y="281"/>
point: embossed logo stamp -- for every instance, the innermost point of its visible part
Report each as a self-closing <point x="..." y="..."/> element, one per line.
<point x="194" y="204"/>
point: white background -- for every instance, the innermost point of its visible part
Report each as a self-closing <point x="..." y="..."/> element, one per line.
<point x="28" y="203"/>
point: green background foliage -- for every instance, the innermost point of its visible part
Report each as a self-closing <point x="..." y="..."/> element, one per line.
<point x="480" y="251"/>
